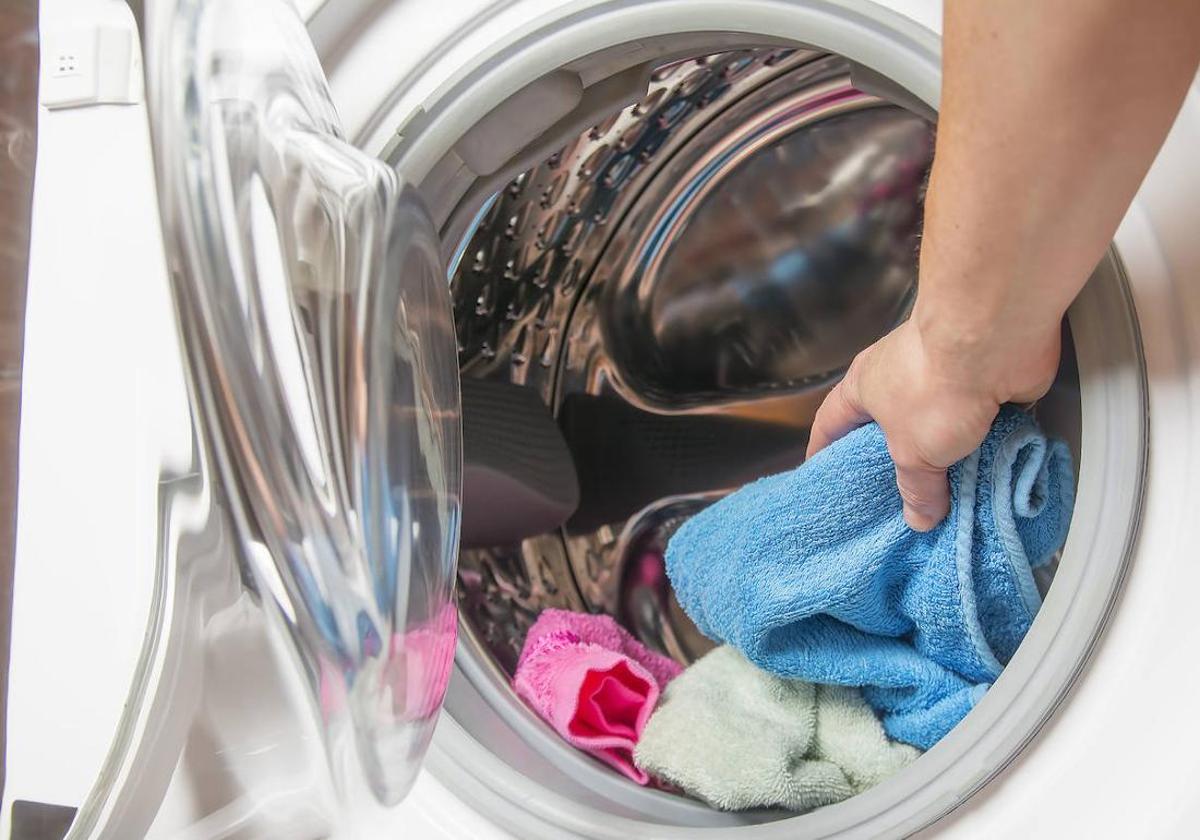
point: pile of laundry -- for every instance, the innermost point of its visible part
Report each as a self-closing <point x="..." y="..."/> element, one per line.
<point x="853" y="640"/>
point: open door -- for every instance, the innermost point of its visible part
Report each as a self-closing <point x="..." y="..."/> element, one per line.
<point x="315" y="319"/>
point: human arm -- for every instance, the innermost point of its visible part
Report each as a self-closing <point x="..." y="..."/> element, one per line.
<point x="1051" y="114"/>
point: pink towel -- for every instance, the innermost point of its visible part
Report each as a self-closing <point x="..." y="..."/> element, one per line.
<point x="415" y="674"/>
<point x="418" y="669"/>
<point x="593" y="682"/>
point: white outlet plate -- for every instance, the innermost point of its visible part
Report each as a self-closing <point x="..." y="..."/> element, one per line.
<point x="90" y="65"/>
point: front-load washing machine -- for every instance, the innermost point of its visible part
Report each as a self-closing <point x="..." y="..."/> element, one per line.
<point x="360" y="332"/>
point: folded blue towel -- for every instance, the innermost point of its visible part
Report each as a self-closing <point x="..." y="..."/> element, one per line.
<point x="813" y="574"/>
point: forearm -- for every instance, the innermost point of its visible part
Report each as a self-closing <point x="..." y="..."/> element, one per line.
<point x="1051" y="115"/>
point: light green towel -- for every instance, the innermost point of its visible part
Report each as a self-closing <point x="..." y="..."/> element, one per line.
<point x="738" y="738"/>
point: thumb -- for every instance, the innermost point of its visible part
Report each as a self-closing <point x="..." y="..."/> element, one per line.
<point x="840" y="414"/>
<point x="925" y="493"/>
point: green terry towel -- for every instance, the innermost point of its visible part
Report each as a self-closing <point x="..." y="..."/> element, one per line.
<point x="738" y="737"/>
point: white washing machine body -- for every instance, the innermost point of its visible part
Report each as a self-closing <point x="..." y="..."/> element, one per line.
<point x="1092" y="735"/>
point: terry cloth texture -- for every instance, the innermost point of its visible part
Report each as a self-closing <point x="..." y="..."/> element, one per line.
<point x="814" y="575"/>
<point x="593" y="682"/>
<point x="738" y="737"/>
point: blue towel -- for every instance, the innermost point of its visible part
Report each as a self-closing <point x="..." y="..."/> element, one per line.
<point x="814" y="575"/>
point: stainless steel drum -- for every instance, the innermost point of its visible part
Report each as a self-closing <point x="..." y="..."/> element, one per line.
<point x="680" y="284"/>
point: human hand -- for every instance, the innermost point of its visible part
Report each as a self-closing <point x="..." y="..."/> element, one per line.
<point x="1028" y="186"/>
<point x="935" y="393"/>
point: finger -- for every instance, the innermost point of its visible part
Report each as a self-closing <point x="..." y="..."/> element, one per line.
<point x="926" y="495"/>
<point x="838" y="415"/>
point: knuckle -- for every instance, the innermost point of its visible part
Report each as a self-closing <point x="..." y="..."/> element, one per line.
<point x="916" y="498"/>
<point x="928" y="493"/>
<point x="836" y="403"/>
<point x="847" y="389"/>
<point x="848" y="392"/>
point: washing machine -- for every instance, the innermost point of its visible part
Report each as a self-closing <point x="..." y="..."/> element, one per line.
<point x="360" y="331"/>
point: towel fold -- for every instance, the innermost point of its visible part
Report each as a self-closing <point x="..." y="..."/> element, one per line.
<point x="814" y="574"/>
<point x="738" y="737"/>
<point x="593" y="682"/>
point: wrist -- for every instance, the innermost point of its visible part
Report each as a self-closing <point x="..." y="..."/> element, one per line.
<point x="1002" y="358"/>
<point x="973" y="313"/>
<point x="957" y="336"/>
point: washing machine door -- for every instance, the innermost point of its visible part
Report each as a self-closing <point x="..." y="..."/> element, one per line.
<point x="316" y="324"/>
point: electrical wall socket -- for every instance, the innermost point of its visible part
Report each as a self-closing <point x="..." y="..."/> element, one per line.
<point x="64" y="64"/>
<point x="90" y="65"/>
